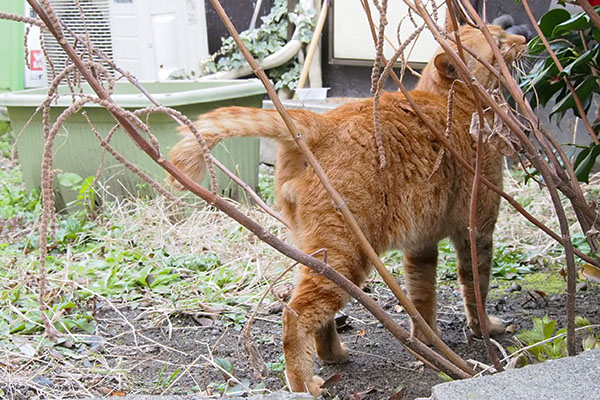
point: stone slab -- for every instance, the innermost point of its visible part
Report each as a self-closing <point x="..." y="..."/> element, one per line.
<point x="566" y="378"/>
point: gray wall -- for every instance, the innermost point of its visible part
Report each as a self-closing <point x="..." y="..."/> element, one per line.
<point x="240" y="13"/>
<point x="352" y="81"/>
<point x="344" y="80"/>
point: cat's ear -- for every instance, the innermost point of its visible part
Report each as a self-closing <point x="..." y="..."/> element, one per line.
<point x="444" y="66"/>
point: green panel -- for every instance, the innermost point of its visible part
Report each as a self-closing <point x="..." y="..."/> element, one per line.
<point x="77" y="150"/>
<point x="12" y="49"/>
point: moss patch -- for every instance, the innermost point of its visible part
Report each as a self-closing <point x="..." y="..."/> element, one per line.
<point x="549" y="282"/>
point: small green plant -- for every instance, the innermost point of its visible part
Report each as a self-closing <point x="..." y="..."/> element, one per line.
<point x="266" y="187"/>
<point x="87" y="195"/>
<point x="510" y="263"/>
<point x="537" y="341"/>
<point x="447" y="260"/>
<point x="231" y="385"/>
<point x="5" y="139"/>
<point x="543" y="342"/>
<point x="265" y="40"/>
<point x="507" y="263"/>
<point x="277" y="366"/>
<point x="163" y="381"/>
<point x="591" y="340"/>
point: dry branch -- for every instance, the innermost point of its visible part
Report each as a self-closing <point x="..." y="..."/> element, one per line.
<point x="340" y="203"/>
<point x="213" y="199"/>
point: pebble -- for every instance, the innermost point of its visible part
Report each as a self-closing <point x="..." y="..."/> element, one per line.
<point x="515" y="287"/>
<point x="42" y="380"/>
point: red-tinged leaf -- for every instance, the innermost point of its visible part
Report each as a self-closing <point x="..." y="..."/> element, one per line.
<point x="362" y="395"/>
<point x="563" y="272"/>
<point x="542" y="294"/>
<point x="331" y="381"/>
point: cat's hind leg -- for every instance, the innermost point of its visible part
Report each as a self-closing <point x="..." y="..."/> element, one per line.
<point x="465" y="275"/>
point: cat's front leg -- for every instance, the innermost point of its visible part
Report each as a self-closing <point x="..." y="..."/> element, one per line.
<point x="420" y="271"/>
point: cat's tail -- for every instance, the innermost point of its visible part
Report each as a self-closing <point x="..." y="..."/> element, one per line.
<point x="229" y="122"/>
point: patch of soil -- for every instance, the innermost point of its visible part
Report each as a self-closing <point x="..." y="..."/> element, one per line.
<point x="378" y="363"/>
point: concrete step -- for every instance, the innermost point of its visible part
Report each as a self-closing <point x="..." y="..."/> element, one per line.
<point x="566" y="378"/>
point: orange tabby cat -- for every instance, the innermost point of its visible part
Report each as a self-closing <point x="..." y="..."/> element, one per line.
<point x="405" y="205"/>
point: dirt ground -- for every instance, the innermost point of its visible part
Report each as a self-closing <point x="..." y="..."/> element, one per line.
<point x="179" y="356"/>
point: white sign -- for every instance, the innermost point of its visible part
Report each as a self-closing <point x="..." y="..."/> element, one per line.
<point x="35" y="71"/>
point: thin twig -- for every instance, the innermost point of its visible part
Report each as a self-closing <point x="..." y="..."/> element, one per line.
<point x="481" y="315"/>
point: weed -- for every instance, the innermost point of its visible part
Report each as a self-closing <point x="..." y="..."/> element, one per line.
<point x="277" y="366"/>
<point x="447" y="263"/>
<point x="233" y="386"/>
<point x="86" y="197"/>
<point x="543" y="330"/>
<point x="266" y="187"/>
<point x="510" y="263"/>
<point x="163" y="381"/>
<point x="5" y="139"/>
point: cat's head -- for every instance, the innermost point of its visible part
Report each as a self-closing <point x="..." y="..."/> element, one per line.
<point x="512" y="47"/>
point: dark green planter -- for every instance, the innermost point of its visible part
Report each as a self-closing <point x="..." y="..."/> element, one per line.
<point x="77" y="149"/>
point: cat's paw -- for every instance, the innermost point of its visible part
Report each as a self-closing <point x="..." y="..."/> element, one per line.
<point x="495" y="326"/>
<point x="314" y="386"/>
<point x="337" y="356"/>
<point x="424" y="339"/>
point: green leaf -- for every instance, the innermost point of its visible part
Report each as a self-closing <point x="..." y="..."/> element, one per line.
<point x="69" y="179"/>
<point x="548" y="327"/>
<point x="585" y="161"/>
<point x="596" y="34"/>
<point x="581" y="321"/>
<point x="584" y="91"/>
<point x="226" y="365"/>
<point x="553" y="18"/>
<point x="577" y="22"/>
<point x="582" y="59"/>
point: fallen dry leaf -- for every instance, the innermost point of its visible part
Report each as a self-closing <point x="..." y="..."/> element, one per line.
<point x="589" y="272"/>
<point x="331" y="381"/>
<point x="111" y="392"/>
